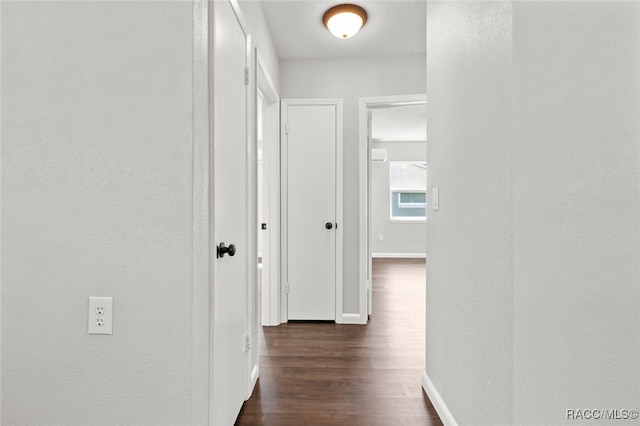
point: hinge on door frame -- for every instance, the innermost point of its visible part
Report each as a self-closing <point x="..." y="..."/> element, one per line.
<point x="247" y="343"/>
<point x="286" y="128"/>
<point x="286" y="288"/>
<point x="246" y="76"/>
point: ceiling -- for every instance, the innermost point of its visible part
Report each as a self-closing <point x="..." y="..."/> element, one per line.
<point x="394" y="27"/>
<point x="398" y="124"/>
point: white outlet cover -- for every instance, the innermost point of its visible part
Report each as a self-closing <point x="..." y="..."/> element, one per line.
<point x="100" y="315"/>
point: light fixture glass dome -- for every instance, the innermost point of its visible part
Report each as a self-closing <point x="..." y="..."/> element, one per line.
<point x="345" y="20"/>
<point x="344" y="25"/>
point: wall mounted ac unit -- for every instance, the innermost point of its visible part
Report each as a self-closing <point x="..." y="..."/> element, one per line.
<point x="378" y="155"/>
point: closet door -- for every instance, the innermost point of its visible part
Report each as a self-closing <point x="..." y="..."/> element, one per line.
<point x="311" y="146"/>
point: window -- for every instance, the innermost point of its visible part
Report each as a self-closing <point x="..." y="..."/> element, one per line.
<point x="412" y="200"/>
<point x="408" y="191"/>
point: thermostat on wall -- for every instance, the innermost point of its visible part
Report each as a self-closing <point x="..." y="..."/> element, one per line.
<point x="379" y="155"/>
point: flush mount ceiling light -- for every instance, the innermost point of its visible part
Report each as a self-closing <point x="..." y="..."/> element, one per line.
<point x="344" y="20"/>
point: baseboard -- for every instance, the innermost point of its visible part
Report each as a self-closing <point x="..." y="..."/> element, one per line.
<point x="255" y="372"/>
<point x="437" y="401"/>
<point x="350" y="319"/>
<point x="399" y="255"/>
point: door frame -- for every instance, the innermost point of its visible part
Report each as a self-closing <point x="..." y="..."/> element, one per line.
<point x="341" y="317"/>
<point x="365" y="105"/>
<point x="271" y="211"/>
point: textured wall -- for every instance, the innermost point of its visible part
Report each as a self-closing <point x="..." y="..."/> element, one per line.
<point x="469" y="273"/>
<point x="398" y="237"/>
<point x="351" y="79"/>
<point x="96" y="200"/>
<point x="533" y="278"/>
<point x="576" y="208"/>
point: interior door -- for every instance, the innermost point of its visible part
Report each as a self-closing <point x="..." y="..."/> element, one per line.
<point x="311" y="139"/>
<point x="230" y="198"/>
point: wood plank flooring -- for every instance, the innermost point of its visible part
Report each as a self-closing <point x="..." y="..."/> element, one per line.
<point x="317" y="373"/>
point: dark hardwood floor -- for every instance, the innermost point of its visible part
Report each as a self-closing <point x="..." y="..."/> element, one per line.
<point x="314" y="373"/>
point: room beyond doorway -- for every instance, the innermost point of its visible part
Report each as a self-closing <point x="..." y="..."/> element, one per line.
<point x="392" y="129"/>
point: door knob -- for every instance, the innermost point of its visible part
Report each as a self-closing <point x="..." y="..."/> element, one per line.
<point x="222" y="249"/>
<point x="328" y="225"/>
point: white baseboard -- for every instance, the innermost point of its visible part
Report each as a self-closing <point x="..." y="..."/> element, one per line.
<point x="350" y="319"/>
<point x="255" y="372"/>
<point x="399" y="255"/>
<point x="437" y="401"/>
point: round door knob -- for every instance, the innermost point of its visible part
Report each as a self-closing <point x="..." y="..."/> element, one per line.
<point x="221" y="250"/>
<point x="328" y="225"/>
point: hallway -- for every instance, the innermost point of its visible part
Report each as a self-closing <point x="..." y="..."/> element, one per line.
<point x="316" y="373"/>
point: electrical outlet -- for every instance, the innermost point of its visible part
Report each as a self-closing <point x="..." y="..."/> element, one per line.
<point x="101" y="315"/>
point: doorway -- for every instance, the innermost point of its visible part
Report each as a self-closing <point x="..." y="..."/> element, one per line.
<point x="312" y="208"/>
<point x="368" y="142"/>
<point x="268" y="195"/>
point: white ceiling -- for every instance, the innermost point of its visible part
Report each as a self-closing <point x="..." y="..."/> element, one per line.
<point x="394" y="27"/>
<point x="399" y="124"/>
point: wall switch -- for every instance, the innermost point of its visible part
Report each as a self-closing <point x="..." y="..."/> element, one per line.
<point x="101" y="315"/>
<point x="381" y="237"/>
<point x="434" y="199"/>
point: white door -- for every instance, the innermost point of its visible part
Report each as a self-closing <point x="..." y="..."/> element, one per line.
<point x="230" y="160"/>
<point x="312" y="210"/>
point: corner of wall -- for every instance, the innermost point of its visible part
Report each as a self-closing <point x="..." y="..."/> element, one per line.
<point x="436" y="400"/>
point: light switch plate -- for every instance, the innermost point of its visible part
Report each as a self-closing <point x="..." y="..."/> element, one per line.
<point x="100" y="315"/>
<point x="435" y="201"/>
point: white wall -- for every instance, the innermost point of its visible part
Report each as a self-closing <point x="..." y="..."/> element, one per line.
<point x="351" y="79"/>
<point x="399" y="238"/>
<point x="261" y="38"/>
<point x="469" y="275"/>
<point x="533" y="285"/>
<point x="576" y="208"/>
<point x="97" y="141"/>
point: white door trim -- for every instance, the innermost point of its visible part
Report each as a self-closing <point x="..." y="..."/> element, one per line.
<point x="340" y="315"/>
<point x="265" y="82"/>
<point x="271" y="167"/>
<point x="365" y="105"/>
